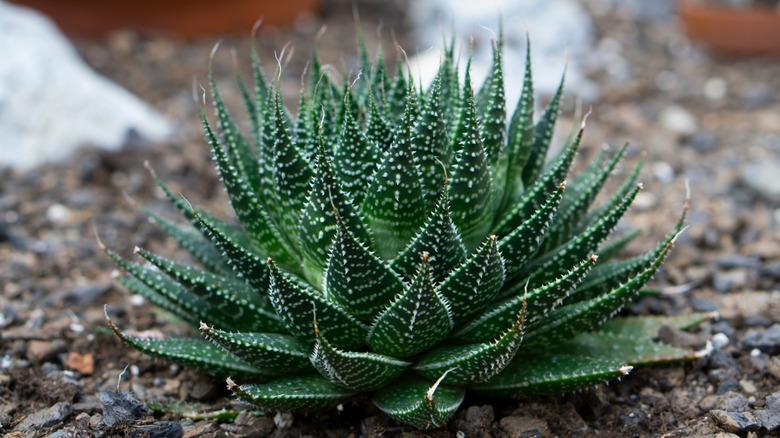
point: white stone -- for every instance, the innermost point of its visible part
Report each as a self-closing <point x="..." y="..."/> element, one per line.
<point x="678" y="120"/>
<point x="561" y="34"/>
<point x="57" y="213"/>
<point x="663" y="171"/>
<point x="716" y="88"/>
<point x="720" y="340"/>
<point x="51" y="102"/>
<point x="761" y="177"/>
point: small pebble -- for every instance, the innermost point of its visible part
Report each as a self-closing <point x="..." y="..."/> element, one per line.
<point x="524" y="426"/>
<point x="663" y="171"/>
<point x="747" y="386"/>
<point x="283" y="420"/>
<point x="58" y="213"/>
<point x="720" y="340"/>
<point x="48" y="417"/>
<point x="766" y="340"/>
<point x="678" y="120"/>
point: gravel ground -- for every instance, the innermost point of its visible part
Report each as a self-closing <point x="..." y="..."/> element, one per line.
<point x="713" y="122"/>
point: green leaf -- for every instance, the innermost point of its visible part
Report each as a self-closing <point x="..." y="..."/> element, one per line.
<point x="415" y="321"/>
<point x="358" y="280"/>
<point x="415" y="402"/>
<point x="571" y="320"/>
<point x="639" y="327"/>
<point x="305" y="138"/>
<point x="550" y="374"/>
<point x="163" y="290"/>
<point x="574" y="207"/>
<point x="231" y="299"/>
<point x="475" y="362"/>
<point x="138" y="287"/>
<point x="493" y="118"/>
<point x="393" y="206"/>
<point x="245" y="262"/>
<point x="291" y="174"/>
<point x="537" y="194"/>
<point x="272" y="352"/>
<point x="301" y="393"/>
<point x="377" y="130"/>
<point x="399" y="93"/>
<point x="475" y="283"/>
<point x="354" y="158"/>
<point x="380" y="81"/>
<point x="261" y="95"/>
<point x="357" y="371"/>
<point x="470" y="189"/>
<point x="520" y="246"/>
<point x="318" y="221"/>
<point x="440" y="239"/>
<point x="611" y="248"/>
<point x="194" y="353"/>
<point x="628" y="185"/>
<point x="243" y="158"/>
<point x="625" y="349"/>
<point x="430" y="145"/>
<point x="253" y="216"/>
<point x="539" y="301"/>
<point x="194" y="242"/>
<point x="549" y="267"/>
<point x="610" y="276"/>
<point x="543" y="132"/>
<point x="298" y="305"/>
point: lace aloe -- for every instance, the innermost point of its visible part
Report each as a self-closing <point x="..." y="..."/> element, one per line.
<point x="406" y="244"/>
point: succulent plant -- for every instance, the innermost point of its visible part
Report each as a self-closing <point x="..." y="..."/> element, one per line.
<point x="406" y="244"/>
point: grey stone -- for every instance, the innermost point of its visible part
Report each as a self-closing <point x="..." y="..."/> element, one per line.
<point x="251" y="425"/>
<point x="770" y="416"/>
<point x="160" y="429"/>
<point x="702" y="305"/>
<point x="48" y="368"/>
<point x="121" y="407"/>
<point x="732" y="401"/>
<point x="735" y="422"/>
<point x="49" y="417"/>
<point x="771" y="270"/>
<point x="756" y="321"/>
<point x="758" y="95"/>
<point x="64" y="433"/>
<point x="760" y="361"/>
<point x="731" y="261"/>
<point x="766" y="340"/>
<point x="726" y="281"/>
<point x="477" y="420"/>
<point x="761" y="177"/>
<point x="703" y="141"/>
<point x="7" y="409"/>
<point x="521" y="427"/>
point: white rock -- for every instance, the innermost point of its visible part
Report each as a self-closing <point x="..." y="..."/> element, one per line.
<point x="678" y="120"/>
<point x="720" y="340"/>
<point x="716" y="88"/>
<point x="762" y="178"/>
<point x="561" y="35"/>
<point x="51" y="103"/>
<point x="58" y="213"/>
<point x="663" y="171"/>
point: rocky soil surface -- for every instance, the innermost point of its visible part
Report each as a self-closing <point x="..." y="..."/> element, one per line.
<point x="711" y="121"/>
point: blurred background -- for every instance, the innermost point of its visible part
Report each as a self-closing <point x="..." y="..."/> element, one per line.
<point x="90" y="90"/>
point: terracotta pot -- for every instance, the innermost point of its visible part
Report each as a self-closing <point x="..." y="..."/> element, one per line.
<point x="184" y="18"/>
<point x="738" y="31"/>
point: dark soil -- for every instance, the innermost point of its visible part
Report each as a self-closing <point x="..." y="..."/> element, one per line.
<point x="61" y="371"/>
